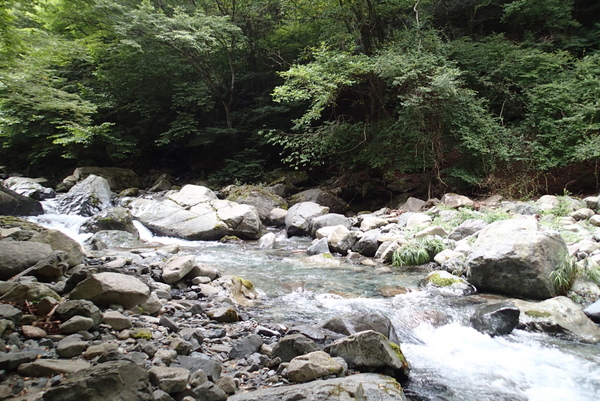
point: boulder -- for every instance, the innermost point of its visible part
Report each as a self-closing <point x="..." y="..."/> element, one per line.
<point x="318" y="247"/>
<point x="559" y="315"/>
<point x="418" y="221"/>
<point x="497" y="319"/>
<point x="293" y="345"/>
<point x="87" y="197"/>
<point x="311" y="366"/>
<point x="30" y="187"/>
<point x="242" y="220"/>
<point x="51" y="367"/>
<point x="339" y="238"/>
<point x="196" y="362"/>
<point x="118" y="178"/>
<point x="113" y="218"/>
<point x="368" y="243"/>
<point x="59" y="241"/>
<point x="177" y="267"/>
<point x="456" y="201"/>
<point x="467" y="228"/>
<point x="242" y="347"/>
<point x="112" y="288"/>
<point x="299" y="217"/>
<point x="322" y="197"/>
<point x="192" y="195"/>
<point x="593" y="311"/>
<point x="240" y="290"/>
<point x="352" y="323"/>
<point x="16" y="256"/>
<point x="79" y="307"/>
<point x="372" y="352"/>
<point x="114" y="239"/>
<point x="115" y="381"/>
<point x="261" y="198"/>
<point x="360" y="387"/>
<point x="168" y="379"/>
<point x="371" y="222"/>
<point x="412" y="205"/>
<point x="444" y="283"/>
<point x="328" y="220"/>
<point x="515" y="258"/>
<point x="267" y="241"/>
<point x="71" y="346"/>
<point x="13" y="204"/>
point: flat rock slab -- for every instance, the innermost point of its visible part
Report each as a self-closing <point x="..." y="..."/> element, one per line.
<point x="51" y="367"/>
<point x="112" y="288"/>
<point x="363" y="387"/>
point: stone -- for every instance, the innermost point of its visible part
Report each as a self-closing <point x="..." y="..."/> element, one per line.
<point x="117" y="177"/>
<point x="31" y="292"/>
<point x="206" y="392"/>
<point x="51" y="367"/>
<point x="33" y="332"/>
<point x="14" y="204"/>
<point x="299" y="217"/>
<point x="12" y="360"/>
<point x="113" y="218"/>
<point x="267" y="241"/>
<point x="192" y="195"/>
<point x="432" y="231"/>
<point x="224" y="314"/>
<point x="446" y="255"/>
<point x="76" y="324"/>
<point x="115" y="380"/>
<point x="261" y="198"/>
<point x="443" y="283"/>
<point x="418" y="221"/>
<point x="595" y="220"/>
<point x="71" y="346"/>
<point x="371" y="222"/>
<point x="112" y="288"/>
<point x="497" y="319"/>
<point x="557" y="315"/>
<point x="455" y="201"/>
<point x="323" y="197"/>
<point x="593" y="311"/>
<point x="30" y="187"/>
<point x="355" y="322"/>
<point x="114" y="239"/>
<point x="80" y="307"/>
<point x="240" y="290"/>
<point x="371" y="351"/>
<point x="11" y="313"/>
<point x="116" y="320"/>
<point x="277" y="217"/>
<point x="582" y="214"/>
<point x="59" y="241"/>
<point x="318" y="247"/>
<point x="341" y="239"/>
<point x="359" y="387"/>
<point x="197" y="361"/>
<point x="311" y="366"/>
<point x="16" y="256"/>
<point x="412" y="205"/>
<point x="547" y="202"/>
<point x="293" y="345"/>
<point x="87" y="197"/>
<point x="227" y="384"/>
<point x="177" y="267"/>
<point x="245" y="346"/>
<point x="515" y="257"/>
<point x="367" y="244"/>
<point x="170" y="380"/>
<point x="94" y="351"/>
<point x="329" y="219"/>
<point x="467" y="228"/>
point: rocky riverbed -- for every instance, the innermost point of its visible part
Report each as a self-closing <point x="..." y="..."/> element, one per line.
<point x="115" y="316"/>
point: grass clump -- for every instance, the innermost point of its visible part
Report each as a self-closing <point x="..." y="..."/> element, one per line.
<point x="417" y="252"/>
<point x="565" y="274"/>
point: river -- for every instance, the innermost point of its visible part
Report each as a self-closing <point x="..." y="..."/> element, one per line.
<point x="449" y="360"/>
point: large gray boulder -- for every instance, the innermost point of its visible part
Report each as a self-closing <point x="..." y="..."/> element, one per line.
<point x="360" y="387"/>
<point x="115" y="381"/>
<point x="323" y="197"/>
<point x="328" y="220"/>
<point x="293" y="345"/>
<point x="112" y="288"/>
<point x="370" y="351"/>
<point x="59" y="241"/>
<point x="355" y="322"/>
<point x="314" y="365"/>
<point x="29" y="187"/>
<point x="13" y="204"/>
<point x="261" y="198"/>
<point x="114" y="218"/>
<point x="87" y="197"/>
<point x="299" y="218"/>
<point x="496" y="319"/>
<point x="16" y="256"/>
<point x="195" y="213"/>
<point x="515" y="258"/>
<point x="118" y="178"/>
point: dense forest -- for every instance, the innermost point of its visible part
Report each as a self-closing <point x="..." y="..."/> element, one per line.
<point x="466" y="95"/>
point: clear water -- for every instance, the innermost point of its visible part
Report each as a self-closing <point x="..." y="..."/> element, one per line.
<point x="449" y="360"/>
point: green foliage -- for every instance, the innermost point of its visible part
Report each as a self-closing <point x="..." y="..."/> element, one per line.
<point x="417" y="252"/>
<point x="565" y="274"/>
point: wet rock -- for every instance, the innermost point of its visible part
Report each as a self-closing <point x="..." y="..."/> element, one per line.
<point x="515" y="258"/>
<point x="240" y="290"/>
<point x="293" y="345"/>
<point x="363" y="387"/>
<point x="112" y="288"/>
<point x="115" y="380"/>
<point x="371" y="351"/>
<point x="267" y="241"/>
<point x="299" y="217"/>
<point x="170" y="380"/>
<point x="87" y="197"/>
<point x="311" y="366"/>
<point x="558" y="315"/>
<point x="367" y="244"/>
<point x="113" y="218"/>
<point x="13" y="204"/>
<point x="496" y="319"/>
<point x="444" y="283"/>
<point x="224" y="315"/>
<point x="318" y="247"/>
<point x="329" y="220"/>
<point x="114" y="239"/>
<point x="245" y="346"/>
<point x="30" y="187"/>
<point x="339" y="238"/>
<point x="16" y="256"/>
<point x="352" y="323"/>
<point x="593" y="311"/>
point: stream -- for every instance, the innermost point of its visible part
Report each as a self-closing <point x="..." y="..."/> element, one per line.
<point x="449" y="360"/>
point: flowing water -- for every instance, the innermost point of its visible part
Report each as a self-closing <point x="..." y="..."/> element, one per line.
<point x="449" y="360"/>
